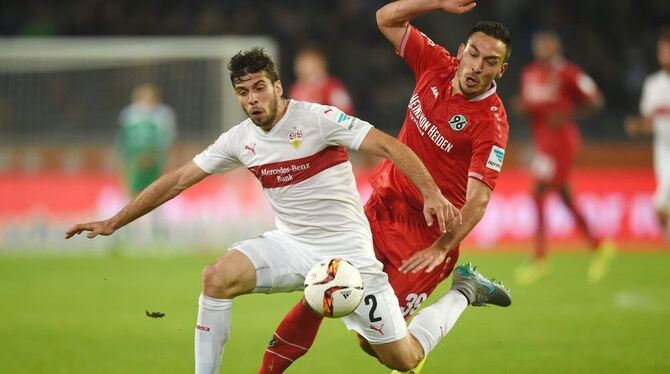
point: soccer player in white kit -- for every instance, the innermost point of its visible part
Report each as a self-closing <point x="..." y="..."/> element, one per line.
<point x="655" y="110"/>
<point x="297" y="151"/>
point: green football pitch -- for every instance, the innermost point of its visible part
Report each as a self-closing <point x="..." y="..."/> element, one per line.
<point x="87" y="315"/>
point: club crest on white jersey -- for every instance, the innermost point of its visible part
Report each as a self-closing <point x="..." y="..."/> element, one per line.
<point x="295" y="137"/>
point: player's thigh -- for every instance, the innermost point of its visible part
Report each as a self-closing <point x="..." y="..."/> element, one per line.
<point x="412" y="289"/>
<point x="662" y="196"/>
<point x="229" y="276"/>
<point x="377" y="318"/>
<point x="279" y="264"/>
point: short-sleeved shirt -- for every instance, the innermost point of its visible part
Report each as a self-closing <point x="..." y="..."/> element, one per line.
<point x="303" y="167"/>
<point x="456" y="138"/>
<point x="655" y="104"/>
<point x="555" y="89"/>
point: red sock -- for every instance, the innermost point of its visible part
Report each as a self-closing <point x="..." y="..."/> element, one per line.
<point x="540" y="239"/>
<point x="583" y="226"/>
<point x="291" y="340"/>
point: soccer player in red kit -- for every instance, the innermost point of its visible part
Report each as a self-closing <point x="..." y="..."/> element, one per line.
<point x="553" y="92"/>
<point x="314" y="83"/>
<point x="456" y="123"/>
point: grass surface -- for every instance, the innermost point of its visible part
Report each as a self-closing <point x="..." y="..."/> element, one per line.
<point x="87" y="315"/>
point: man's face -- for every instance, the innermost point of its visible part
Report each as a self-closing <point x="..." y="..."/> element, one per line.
<point x="480" y="62"/>
<point x="546" y="47"/>
<point x="309" y="67"/>
<point x="663" y="54"/>
<point x="258" y="97"/>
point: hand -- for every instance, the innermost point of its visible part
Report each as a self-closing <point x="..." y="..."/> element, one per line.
<point x="457" y="6"/>
<point x="632" y="126"/>
<point x="428" y="259"/>
<point x="96" y="228"/>
<point x="447" y="214"/>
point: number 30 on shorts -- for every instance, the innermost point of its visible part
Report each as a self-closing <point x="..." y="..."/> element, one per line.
<point x="413" y="302"/>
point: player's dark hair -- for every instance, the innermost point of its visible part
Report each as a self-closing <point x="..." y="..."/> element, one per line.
<point x="665" y="33"/>
<point x="252" y="61"/>
<point x="496" y="30"/>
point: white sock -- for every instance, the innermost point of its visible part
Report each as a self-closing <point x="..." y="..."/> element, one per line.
<point x="435" y="321"/>
<point x="211" y="333"/>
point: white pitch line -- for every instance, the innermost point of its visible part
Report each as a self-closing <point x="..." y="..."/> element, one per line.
<point x="636" y="300"/>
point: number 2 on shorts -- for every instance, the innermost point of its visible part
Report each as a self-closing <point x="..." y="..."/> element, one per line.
<point x="371" y="299"/>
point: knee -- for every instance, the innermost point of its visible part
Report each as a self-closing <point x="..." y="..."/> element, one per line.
<point x="220" y="280"/>
<point x="402" y="363"/>
<point x="404" y="358"/>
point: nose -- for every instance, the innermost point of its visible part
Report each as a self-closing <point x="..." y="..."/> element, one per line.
<point x="251" y="98"/>
<point x="477" y="67"/>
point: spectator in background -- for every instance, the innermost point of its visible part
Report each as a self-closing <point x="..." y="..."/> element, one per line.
<point x="147" y="131"/>
<point x="314" y="84"/>
<point x="655" y="118"/>
<point x="554" y="92"/>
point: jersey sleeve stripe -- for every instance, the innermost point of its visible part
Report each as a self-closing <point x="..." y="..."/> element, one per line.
<point x="480" y="178"/>
<point x="405" y="38"/>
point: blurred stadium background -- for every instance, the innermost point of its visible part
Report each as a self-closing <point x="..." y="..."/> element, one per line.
<point x="67" y="69"/>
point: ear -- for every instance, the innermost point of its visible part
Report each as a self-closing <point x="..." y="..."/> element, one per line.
<point x="279" y="90"/>
<point x="461" y="48"/>
<point x="502" y="71"/>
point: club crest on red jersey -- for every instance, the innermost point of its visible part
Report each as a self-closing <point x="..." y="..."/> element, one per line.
<point x="458" y="122"/>
<point x="295" y="137"/>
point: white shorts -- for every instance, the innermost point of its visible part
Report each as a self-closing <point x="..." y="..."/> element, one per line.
<point x="661" y="159"/>
<point x="281" y="266"/>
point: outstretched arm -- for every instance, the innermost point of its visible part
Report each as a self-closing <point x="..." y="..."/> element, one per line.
<point x="393" y="18"/>
<point x="163" y="189"/>
<point x="638" y="125"/>
<point x="477" y="198"/>
<point x="383" y="145"/>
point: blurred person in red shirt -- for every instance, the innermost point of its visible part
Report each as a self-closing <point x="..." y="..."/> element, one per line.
<point x="314" y="84"/>
<point x="554" y="92"/>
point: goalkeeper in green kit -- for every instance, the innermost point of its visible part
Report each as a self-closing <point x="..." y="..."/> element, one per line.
<point x="147" y="131"/>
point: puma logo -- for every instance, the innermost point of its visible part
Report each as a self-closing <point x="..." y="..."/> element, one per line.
<point x="251" y="148"/>
<point x="378" y="329"/>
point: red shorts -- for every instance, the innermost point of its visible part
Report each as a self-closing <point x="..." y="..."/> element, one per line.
<point x="396" y="238"/>
<point x="555" y="154"/>
<point x="553" y="168"/>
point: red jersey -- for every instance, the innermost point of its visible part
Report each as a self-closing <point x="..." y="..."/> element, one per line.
<point x="456" y="138"/>
<point x="329" y="91"/>
<point x="551" y="93"/>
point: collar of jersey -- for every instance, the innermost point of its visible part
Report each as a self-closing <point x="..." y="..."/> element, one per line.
<point x="486" y="94"/>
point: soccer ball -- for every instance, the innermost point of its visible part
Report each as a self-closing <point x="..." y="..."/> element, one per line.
<point x="333" y="288"/>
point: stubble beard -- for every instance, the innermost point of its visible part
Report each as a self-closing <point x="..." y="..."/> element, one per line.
<point x="272" y="113"/>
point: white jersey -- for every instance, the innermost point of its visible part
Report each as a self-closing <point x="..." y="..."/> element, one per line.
<point x="655" y="104"/>
<point x="303" y="167"/>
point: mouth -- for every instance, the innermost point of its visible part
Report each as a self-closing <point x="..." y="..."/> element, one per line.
<point x="256" y="112"/>
<point x="471" y="81"/>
